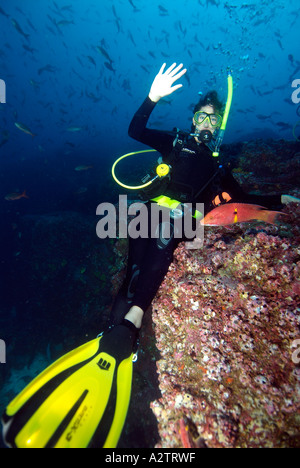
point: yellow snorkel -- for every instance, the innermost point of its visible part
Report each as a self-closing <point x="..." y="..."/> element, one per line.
<point x="225" y="116"/>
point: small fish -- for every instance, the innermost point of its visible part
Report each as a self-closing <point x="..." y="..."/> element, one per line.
<point x="280" y="44"/>
<point x="114" y="12"/>
<point x="48" y="68"/>
<point x="64" y="23"/>
<point x="81" y="190"/>
<point x="74" y="129"/>
<point x="263" y="117"/>
<point x="67" y="8"/>
<point x="24" y="129"/>
<point x="103" y="52"/>
<point x="163" y="10"/>
<point x="16" y="196"/>
<point x="283" y="125"/>
<point x="184" y="434"/>
<point x="19" y="29"/>
<point x="2" y="12"/>
<point x="109" y="66"/>
<point x="29" y="49"/>
<point x="92" y="60"/>
<point x="187" y="435"/>
<point x="133" y="6"/>
<point x="31" y="25"/>
<point x="131" y="38"/>
<point x="34" y="84"/>
<point x="82" y="168"/>
<point x="232" y="213"/>
<point x="5" y="137"/>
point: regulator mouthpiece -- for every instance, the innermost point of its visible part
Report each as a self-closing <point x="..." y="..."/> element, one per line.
<point x="205" y="136"/>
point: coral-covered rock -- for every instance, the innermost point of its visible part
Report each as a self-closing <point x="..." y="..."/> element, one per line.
<point x="226" y="318"/>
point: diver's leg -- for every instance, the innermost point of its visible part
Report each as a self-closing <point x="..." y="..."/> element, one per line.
<point x="123" y="301"/>
<point x="154" y="267"/>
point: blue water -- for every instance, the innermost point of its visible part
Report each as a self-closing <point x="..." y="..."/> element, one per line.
<point x="258" y="40"/>
<point x="90" y="64"/>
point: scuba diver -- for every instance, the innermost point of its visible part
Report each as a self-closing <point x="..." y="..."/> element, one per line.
<point x="81" y="400"/>
<point x="196" y="176"/>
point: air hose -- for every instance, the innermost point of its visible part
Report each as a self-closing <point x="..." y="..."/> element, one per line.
<point x="162" y="171"/>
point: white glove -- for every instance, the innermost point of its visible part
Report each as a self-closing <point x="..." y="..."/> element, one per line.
<point x="286" y="199"/>
<point x="162" y="84"/>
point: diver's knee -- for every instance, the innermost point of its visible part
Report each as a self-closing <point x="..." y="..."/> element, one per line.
<point x="135" y="315"/>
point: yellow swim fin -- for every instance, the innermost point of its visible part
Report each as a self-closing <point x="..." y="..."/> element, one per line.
<point x="80" y="401"/>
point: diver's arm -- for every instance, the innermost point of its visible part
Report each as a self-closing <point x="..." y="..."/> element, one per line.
<point x="159" y="140"/>
<point x="231" y="186"/>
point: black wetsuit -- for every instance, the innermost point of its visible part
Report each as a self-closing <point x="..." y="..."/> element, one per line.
<point x="193" y="168"/>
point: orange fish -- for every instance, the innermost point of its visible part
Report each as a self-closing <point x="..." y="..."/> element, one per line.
<point x="16" y="196"/>
<point x="232" y="213"/>
<point x="184" y="434"/>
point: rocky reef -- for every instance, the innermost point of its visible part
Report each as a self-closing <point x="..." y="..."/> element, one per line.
<point x="264" y="166"/>
<point x="226" y="324"/>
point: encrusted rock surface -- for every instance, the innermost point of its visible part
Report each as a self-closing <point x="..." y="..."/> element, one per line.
<point x="226" y="324"/>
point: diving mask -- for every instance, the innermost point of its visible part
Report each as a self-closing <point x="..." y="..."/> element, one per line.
<point x="200" y="117"/>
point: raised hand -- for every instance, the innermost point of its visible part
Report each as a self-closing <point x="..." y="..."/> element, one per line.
<point x="162" y="84"/>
